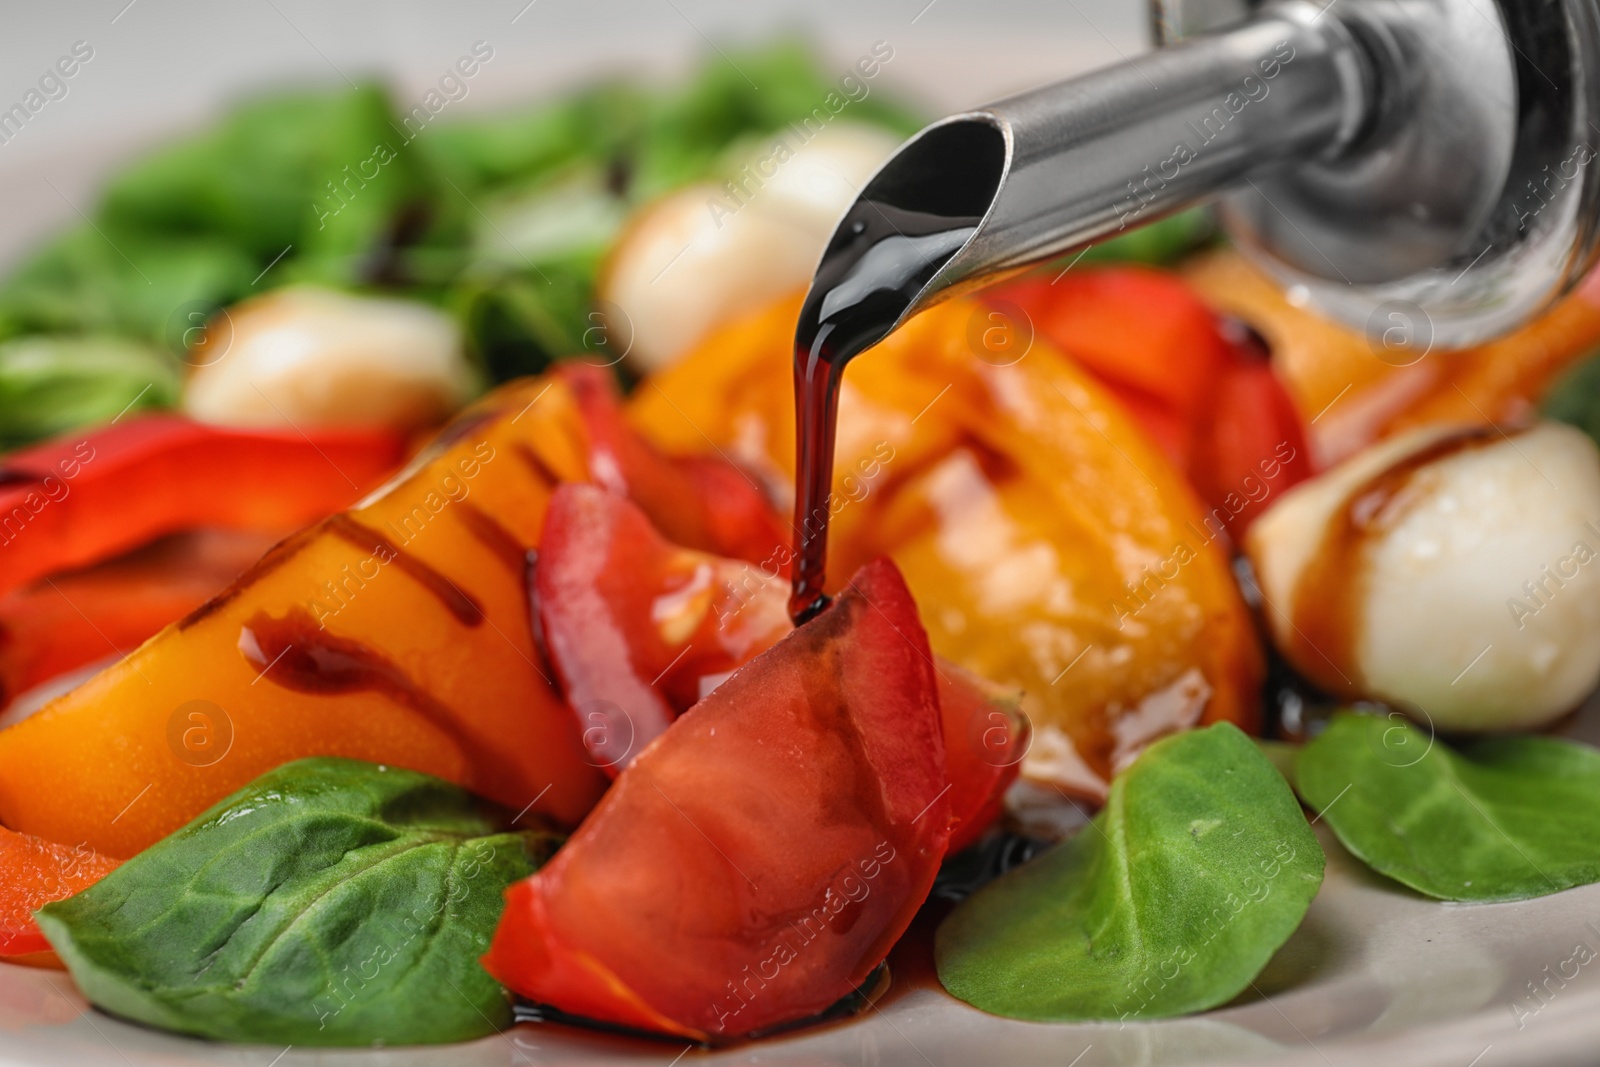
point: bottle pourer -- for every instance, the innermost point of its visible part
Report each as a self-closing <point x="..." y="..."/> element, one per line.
<point x="1426" y="159"/>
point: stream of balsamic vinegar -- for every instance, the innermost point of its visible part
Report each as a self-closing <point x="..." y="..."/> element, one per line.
<point x="912" y="219"/>
<point x="879" y="259"/>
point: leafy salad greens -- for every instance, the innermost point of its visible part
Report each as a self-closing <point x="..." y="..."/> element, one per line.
<point x="332" y="900"/>
<point x="502" y="219"/>
<point x="1201" y="864"/>
<point x="332" y="187"/>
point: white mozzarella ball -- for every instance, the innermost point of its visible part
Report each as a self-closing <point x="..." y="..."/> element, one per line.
<point x="705" y="254"/>
<point x="827" y="173"/>
<point x="1474" y="588"/>
<point x="680" y="270"/>
<point x="305" y="356"/>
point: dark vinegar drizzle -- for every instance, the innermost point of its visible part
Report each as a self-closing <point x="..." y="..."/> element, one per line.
<point x="296" y="653"/>
<point x="277" y="556"/>
<point x="911" y="220"/>
<point x="1332" y="587"/>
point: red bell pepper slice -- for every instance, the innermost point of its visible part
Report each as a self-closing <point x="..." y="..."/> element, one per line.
<point x="1256" y="445"/>
<point x="985" y="738"/>
<point x="75" y="619"/>
<point x="756" y="863"/>
<point x="1139" y="330"/>
<point x="638" y="629"/>
<point x="35" y="872"/>
<point x="1202" y="388"/>
<point x="84" y="498"/>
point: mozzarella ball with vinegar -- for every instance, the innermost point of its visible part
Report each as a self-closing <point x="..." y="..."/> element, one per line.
<point x="1452" y="572"/>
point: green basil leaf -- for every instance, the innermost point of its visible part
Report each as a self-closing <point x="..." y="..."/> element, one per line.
<point x="528" y="143"/>
<point x="1282" y="755"/>
<point x="1506" y="818"/>
<point x="1171" y="901"/>
<point x="133" y="284"/>
<point x="321" y="170"/>
<point x="330" y="902"/>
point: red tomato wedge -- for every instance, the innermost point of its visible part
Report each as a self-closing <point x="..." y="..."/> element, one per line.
<point x="35" y="872"/>
<point x="632" y="623"/>
<point x="985" y="738"/>
<point x="753" y="865"/>
<point x="1256" y="445"/>
<point x="638" y="628"/>
<point x="699" y="501"/>
<point x="1138" y="329"/>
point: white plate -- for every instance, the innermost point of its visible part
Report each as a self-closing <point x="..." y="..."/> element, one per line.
<point x="1376" y="975"/>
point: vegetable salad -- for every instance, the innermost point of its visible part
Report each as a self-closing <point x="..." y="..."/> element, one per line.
<point x="396" y="529"/>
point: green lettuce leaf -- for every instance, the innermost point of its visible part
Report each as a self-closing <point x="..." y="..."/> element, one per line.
<point x="502" y="219"/>
<point x="326" y="172"/>
<point x="48" y="385"/>
<point x="752" y="91"/>
<point x="1171" y="901"/>
<point x="330" y="902"/>
<point x="1505" y="818"/>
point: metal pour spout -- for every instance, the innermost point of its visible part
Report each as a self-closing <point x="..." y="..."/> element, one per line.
<point x="1425" y="156"/>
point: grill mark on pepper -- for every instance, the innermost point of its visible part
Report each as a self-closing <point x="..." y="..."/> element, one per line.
<point x="495" y="537"/>
<point x="466" y="610"/>
<point x="531" y="460"/>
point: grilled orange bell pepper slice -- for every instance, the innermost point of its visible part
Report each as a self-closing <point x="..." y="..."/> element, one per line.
<point x="397" y="632"/>
<point x="1049" y="543"/>
<point x="393" y="633"/>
